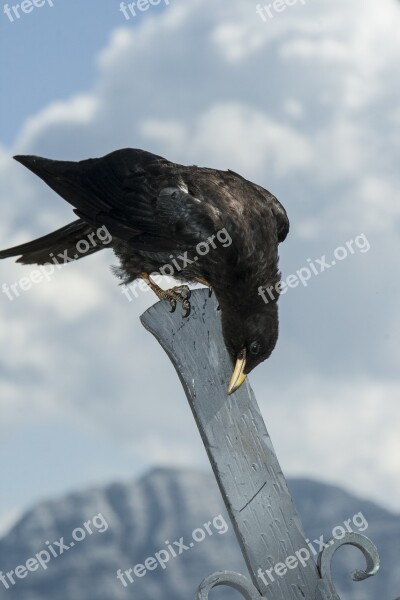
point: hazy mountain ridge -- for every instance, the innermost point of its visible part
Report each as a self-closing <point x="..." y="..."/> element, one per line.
<point x="165" y="505"/>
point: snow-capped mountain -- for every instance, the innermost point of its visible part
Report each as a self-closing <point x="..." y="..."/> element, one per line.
<point x="172" y="523"/>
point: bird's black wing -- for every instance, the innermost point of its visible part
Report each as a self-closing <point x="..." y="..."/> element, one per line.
<point x="280" y="214"/>
<point x="140" y="197"/>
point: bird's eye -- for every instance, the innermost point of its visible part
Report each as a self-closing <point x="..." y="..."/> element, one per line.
<point x="254" y="348"/>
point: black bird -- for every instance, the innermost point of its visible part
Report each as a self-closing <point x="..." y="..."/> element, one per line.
<point x="157" y="213"/>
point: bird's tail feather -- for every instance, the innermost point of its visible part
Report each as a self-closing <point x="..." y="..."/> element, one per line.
<point x="63" y="243"/>
<point x="70" y="181"/>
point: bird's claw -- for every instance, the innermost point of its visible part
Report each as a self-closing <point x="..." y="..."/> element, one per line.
<point x="180" y="294"/>
<point x="210" y="292"/>
<point x="187" y="308"/>
<point x="183" y="290"/>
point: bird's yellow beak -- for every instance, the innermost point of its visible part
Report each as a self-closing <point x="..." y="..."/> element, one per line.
<point x="238" y="375"/>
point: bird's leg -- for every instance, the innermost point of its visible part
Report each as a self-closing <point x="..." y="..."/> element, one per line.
<point x="179" y="293"/>
<point x="204" y="282"/>
<point x="182" y="290"/>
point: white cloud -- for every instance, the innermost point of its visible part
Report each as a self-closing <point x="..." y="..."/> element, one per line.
<point x="293" y="108"/>
<point x="340" y="432"/>
<point x="236" y="41"/>
<point x="79" y="110"/>
<point x="215" y="132"/>
<point x="74" y="295"/>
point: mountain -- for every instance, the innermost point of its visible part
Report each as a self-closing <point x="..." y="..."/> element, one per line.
<point x="81" y="540"/>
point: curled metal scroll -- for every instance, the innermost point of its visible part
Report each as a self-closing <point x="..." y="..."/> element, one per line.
<point x="361" y="542"/>
<point x="230" y="579"/>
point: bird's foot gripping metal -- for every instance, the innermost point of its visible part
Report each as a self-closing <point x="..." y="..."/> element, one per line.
<point x="180" y="293"/>
<point x="204" y="282"/>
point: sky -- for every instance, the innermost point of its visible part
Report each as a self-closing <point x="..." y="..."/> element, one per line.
<point x="304" y="102"/>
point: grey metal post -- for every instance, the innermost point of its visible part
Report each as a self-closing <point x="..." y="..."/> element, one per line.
<point x="251" y="481"/>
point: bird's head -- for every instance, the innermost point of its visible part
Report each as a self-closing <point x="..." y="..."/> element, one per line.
<point x="249" y="340"/>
